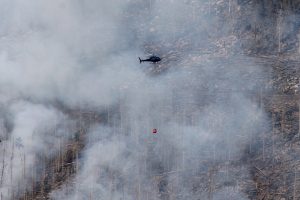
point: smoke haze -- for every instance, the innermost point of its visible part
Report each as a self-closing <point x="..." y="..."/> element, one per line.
<point x="83" y="55"/>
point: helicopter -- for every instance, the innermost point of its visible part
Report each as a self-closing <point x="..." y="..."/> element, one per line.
<point x="153" y="59"/>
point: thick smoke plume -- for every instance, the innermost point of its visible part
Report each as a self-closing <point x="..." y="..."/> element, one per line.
<point x="83" y="55"/>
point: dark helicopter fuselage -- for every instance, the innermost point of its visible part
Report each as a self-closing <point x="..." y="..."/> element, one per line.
<point x="153" y="59"/>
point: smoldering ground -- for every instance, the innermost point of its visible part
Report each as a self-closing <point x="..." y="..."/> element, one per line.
<point x="83" y="54"/>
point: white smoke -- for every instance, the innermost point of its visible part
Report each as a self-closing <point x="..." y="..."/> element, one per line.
<point x="35" y="137"/>
<point x="84" y="54"/>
